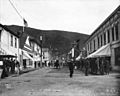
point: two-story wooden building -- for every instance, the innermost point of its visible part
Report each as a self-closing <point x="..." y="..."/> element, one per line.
<point x="29" y="46"/>
<point x="9" y="42"/>
<point x="108" y="33"/>
<point x="30" y="51"/>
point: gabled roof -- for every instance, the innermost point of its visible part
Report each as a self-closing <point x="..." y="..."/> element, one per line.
<point x="23" y="35"/>
<point x="7" y="29"/>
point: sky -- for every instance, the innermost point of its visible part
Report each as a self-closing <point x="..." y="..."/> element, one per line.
<point x="82" y="16"/>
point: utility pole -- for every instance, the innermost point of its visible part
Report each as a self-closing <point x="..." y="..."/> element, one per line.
<point x="41" y="49"/>
<point x="73" y="50"/>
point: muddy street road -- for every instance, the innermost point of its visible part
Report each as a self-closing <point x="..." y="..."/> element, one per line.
<point x="56" y="82"/>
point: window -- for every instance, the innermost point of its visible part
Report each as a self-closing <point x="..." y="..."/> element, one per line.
<point x="101" y="39"/>
<point x="116" y="30"/>
<point x="94" y="44"/>
<point x="15" y="42"/>
<point x="108" y="36"/>
<point x="113" y="34"/>
<point x="0" y="34"/>
<point x="98" y="42"/>
<point x="90" y="46"/>
<point x="11" y="40"/>
<point x="104" y="38"/>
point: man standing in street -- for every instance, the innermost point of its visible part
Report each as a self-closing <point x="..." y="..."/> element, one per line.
<point x="17" y="66"/>
<point x="87" y="65"/>
<point x="71" y="68"/>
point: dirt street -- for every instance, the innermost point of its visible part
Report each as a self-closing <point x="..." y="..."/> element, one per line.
<point x="56" y="82"/>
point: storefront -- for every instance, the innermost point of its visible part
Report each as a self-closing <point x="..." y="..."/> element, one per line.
<point x="28" y="61"/>
<point x="117" y="56"/>
<point x="101" y="52"/>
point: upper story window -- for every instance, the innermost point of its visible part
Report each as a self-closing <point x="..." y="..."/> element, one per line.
<point x="0" y="34"/>
<point x="94" y="44"/>
<point x="104" y="38"/>
<point x="90" y="46"/>
<point x="15" y="42"/>
<point x="11" y="42"/>
<point x="108" y="36"/>
<point x="101" y="40"/>
<point x="113" y="34"/>
<point x="98" y="42"/>
<point x="116" y="30"/>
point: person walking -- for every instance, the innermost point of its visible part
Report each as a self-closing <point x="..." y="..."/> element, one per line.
<point x="97" y="65"/>
<point x="102" y="66"/>
<point x="12" y="66"/>
<point x="107" y="66"/>
<point x="18" y="67"/>
<point x="57" y="64"/>
<point x="71" y="68"/>
<point x="87" y="65"/>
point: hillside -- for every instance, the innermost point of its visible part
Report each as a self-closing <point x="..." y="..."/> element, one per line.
<point x="57" y="40"/>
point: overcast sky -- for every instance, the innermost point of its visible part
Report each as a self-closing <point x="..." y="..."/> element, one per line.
<point x="82" y="16"/>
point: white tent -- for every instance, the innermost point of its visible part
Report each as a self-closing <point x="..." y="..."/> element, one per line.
<point x="78" y="58"/>
<point x="103" y="51"/>
<point x="27" y="56"/>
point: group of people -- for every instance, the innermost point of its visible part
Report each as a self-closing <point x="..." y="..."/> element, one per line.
<point x="9" y="66"/>
<point x="53" y="63"/>
<point x="99" y="65"/>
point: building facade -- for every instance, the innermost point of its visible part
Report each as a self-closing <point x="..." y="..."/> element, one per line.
<point x="30" y="52"/>
<point x="107" y="33"/>
<point x="36" y="49"/>
<point x="9" y="42"/>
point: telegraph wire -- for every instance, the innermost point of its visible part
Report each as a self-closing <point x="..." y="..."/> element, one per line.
<point x="24" y="21"/>
<point x="15" y="9"/>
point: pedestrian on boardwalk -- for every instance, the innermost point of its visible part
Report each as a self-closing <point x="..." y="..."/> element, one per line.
<point x="102" y="66"/>
<point x="87" y="66"/>
<point x="107" y="66"/>
<point x="97" y="65"/>
<point x="71" y="68"/>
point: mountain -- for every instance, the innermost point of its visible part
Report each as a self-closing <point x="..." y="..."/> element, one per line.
<point x="57" y="40"/>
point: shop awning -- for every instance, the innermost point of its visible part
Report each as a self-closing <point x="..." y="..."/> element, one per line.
<point x="6" y="53"/>
<point x="27" y="56"/>
<point x="103" y="51"/>
<point x="7" y="56"/>
<point x="78" y="58"/>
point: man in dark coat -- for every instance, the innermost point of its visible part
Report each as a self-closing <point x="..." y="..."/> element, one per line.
<point x="57" y="64"/>
<point x="87" y="66"/>
<point x="107" y="66"/>
<point x="12" y="63"/>
<point x="102" y="70"/>
<point x="71" y="68"/>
